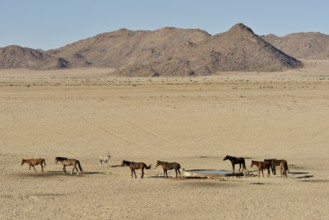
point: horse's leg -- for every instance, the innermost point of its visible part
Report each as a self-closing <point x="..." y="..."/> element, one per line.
<point x="233" y="167"/>
<point x="165" y="173"/>
<point x="274" y="170"/>
<point x="41" y="168"/>
<point x="179" y="173"/>
<point x="258" y="173"/>
<point x="176" y="172"/>
<point x="142" y="173"/>
<point x="76" y="169"/>
<point x="132" y="172"/>
<point x="268" y="172"/>
<point x="34" y="168"/>
<point x="135" y="173"/>
<point x="64" y="169"/>
<point x="239" y="167"/>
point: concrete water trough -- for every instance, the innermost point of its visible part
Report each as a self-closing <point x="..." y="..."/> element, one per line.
<point x="208" y="173"/>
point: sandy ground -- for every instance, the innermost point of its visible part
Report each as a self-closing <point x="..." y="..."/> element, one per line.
<point x="195" y="121"/>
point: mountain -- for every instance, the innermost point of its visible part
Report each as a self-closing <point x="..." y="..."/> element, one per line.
<point x="310" y="45"/>
<point x="240" y="49"/>
<point x="124" y="48"/>
<point x="22" y="57"/>
<point x="165" y="52"/>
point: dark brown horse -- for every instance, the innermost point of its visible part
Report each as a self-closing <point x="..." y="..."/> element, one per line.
<point x="236" y="160"/>
<point x="261" y="165"/>
<point x="33" y="162"/>
<point x="274" y="163"/>
<point x="69" y="162"/>
<point x="135" y="166"/>
<point x="169" y="166"/>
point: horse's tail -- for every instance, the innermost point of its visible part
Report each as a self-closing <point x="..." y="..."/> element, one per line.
<point x="286" y="167"/>
<point x="148" y="167"/>
<point x="44" y="162"/>
<point x="79" y="165"/>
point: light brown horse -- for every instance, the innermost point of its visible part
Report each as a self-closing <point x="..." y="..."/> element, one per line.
<point x="33" y="162"/>
<point x="169" y="166"/>
<point x="274" y="163"/>
<point x="69" y="162"/>
<point x="135" y="166"/>
<point x="261" y="165"/>
<point x="283" y="169"/>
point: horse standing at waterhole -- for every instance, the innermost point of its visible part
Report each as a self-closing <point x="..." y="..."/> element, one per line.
<point x="169" y="166"/>
<point x="135" y="166"/>
<point x="274" y="163"/>
<point x="236" y="160"/>
<point x="33" y="162"/>
<point x="261" y="165"/>
<point x="69" y="162"/>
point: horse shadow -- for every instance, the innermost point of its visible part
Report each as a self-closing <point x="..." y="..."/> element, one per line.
<point x="53" y="173"/>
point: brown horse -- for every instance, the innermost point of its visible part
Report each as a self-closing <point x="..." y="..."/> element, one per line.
<point x="33" y="162"/>
<point x="283" y="169"/>
<point x="261" y="165"/>
<point x="275" y="162"/>
<point x="69" y="162"/>
<point x="135" y="166"/>
<point x="169" y="166"/>
<point x="236" y="160"/>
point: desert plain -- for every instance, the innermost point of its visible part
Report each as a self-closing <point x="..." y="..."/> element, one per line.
<point x="196" y="121"/>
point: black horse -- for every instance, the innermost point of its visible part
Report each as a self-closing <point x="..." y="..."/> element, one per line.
<point x="236" y="160"/>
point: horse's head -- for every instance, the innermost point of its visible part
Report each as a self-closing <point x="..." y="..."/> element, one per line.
<point x="225" y="158"/>
<point x="252" y="163"/>
<point x="23" y="161"/>
<point x="124" y="163"/>
<point x="157" y="164"/>
<point x="56" y="160"/>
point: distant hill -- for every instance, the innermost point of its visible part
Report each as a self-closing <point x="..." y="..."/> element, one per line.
<point x="21" y="57"/>
<point x="164" y="52"/>
<point x="309" y="45"/>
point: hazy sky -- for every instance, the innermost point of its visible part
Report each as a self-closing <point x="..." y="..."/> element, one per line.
<point x="48" y="24"/>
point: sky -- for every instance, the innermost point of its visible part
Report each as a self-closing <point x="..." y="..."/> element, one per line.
<point x="50" y="24"/>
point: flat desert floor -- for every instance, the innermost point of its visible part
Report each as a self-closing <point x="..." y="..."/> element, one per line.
<point x="195" y="121"/>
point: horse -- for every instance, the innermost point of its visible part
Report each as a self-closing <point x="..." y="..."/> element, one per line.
<point x="135" y="166"/>
<point x="33" y="162"/>
<point x="69" y="162"/>
<point x="261" y="165"/>
<point x="283" y="170"/>
<point x="275" y="162"/>
<point x="236" y="160"/>
<point x="169" y="166"/>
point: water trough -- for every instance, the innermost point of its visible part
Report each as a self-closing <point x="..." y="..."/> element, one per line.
<point x="208" y="173"/>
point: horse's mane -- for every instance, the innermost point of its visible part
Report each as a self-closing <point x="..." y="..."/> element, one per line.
<point x="60" y="158"/>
